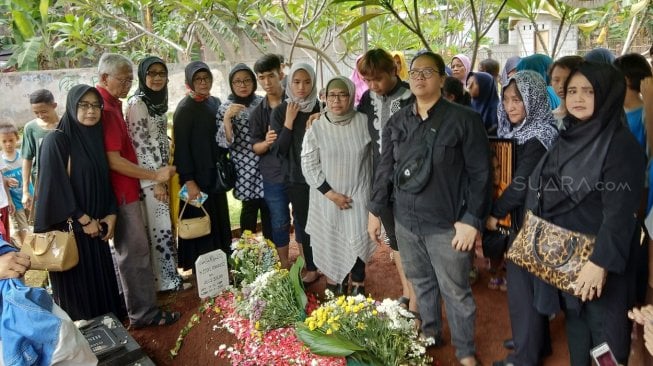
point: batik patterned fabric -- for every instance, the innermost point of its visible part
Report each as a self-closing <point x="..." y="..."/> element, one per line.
<point x="249" y="182"/>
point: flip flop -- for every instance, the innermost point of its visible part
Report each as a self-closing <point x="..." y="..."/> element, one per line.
<point x="161" y="318"/>
<point x="403" y="302"/>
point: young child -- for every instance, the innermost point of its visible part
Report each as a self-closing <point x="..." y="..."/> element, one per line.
<point x="12" y="175"/>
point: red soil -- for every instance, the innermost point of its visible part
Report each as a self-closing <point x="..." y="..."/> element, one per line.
<point x="492" y="323"/>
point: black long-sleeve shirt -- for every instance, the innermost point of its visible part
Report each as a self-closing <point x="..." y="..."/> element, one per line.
<point x="513" y="197"/>
<point x="459" y="187"/>
<point x="288" y="146"/>
<point x="259" y="122"/>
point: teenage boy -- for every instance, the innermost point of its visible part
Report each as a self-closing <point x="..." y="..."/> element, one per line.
<point x="387" y="94"/>
<point x="12" y="175"/>
<point x="45" y="110"/>
<point x="269" y="75"/>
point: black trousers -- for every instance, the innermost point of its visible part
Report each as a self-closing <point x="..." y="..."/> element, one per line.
<point x="530" y="329"/>
<point x="298" y="193"/>
<point x="249" y="216"/>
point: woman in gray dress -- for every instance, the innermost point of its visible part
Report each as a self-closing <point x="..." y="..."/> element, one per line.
<point x="336" y="162"/>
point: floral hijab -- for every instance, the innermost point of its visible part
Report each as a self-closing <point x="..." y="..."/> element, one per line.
<point x="539" y="122"/>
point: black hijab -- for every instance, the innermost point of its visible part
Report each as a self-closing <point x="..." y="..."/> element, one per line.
<point x="246" y="101"/>
<point x="156" y="101"/>
<point x="87" y="189"/>
<point x="575" y="162"/>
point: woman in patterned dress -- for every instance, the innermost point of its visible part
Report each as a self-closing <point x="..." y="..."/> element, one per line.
<point x="337" y="164"/>
<point x="147" y="124"/>
<point x="233" y="133"/>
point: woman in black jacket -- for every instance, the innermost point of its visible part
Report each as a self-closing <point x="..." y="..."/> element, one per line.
<point x="289" y="120"/>
<point x="591" y="182"/>
<point x="196" y="153"/>
<point x="525" y="117"/>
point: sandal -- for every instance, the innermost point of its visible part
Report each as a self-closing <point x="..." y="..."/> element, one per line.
<point x="161" y="318"/>
<point x="403" y="302"/>
<point x="309" y="283"/>
<point x="495" y="283"/>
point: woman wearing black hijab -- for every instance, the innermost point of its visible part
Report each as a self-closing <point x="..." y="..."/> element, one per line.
<point x="74" y="181"/>
<point x="591" y="182"/>
<point x="196" y="153"/>
<point x="147" y="124"/>
<point x="233" y="133"/>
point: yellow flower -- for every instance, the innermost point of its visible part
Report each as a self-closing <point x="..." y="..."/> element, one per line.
<point x="329" y="331"/>
<point x="360" y="325"/>
<point x="312" y="326"/>
<point x="257" y="325"/>
<point x="340" y="301"/>
<point x="374" y="312"/>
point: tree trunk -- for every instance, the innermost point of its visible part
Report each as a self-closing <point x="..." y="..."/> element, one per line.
<point x="560" y="26"/>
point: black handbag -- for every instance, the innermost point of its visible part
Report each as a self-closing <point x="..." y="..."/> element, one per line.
<point x="225" y="173"/>
<point x="413" y="170"/>
<point x="495" y="242"/>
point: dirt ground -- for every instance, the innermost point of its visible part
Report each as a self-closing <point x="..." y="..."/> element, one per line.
<point x="492" y="324"/>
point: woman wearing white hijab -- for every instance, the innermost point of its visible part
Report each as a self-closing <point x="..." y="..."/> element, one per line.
<point x="289" y="121"/>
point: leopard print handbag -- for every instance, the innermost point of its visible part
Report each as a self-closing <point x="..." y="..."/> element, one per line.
<point x="550" y="252"/>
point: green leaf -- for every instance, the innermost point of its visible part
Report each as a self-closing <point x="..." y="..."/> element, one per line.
<point x="43" y="9"/>
<point x="26" y="55"/>
<point x="360" y="20"/>
<point x="297" y="286"/>
<point x="326" y="345"/>
<point x="23" y="24"/>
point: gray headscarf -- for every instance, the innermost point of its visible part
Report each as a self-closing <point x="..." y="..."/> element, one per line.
<point x="510" y="65"/>
<point x="351" y="112"/>
<point x="307" y="104"/>
<point x="539" y="122"/>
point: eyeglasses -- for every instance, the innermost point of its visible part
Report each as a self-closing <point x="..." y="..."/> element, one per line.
<point x="333" y="97"/>
<point x="246" y="82"/>
<point x="123" y="82"/>
<point x="85" y="106"/>
<point x="426" y="73"/>
<point x="161" y="74"/>
<point x="201" y="80"/>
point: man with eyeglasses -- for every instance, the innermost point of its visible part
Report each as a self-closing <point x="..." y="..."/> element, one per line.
<point x="435" y="169"/>
<point x="132" y="248"/>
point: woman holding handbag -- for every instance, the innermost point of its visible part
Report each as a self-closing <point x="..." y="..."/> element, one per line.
<point x="74" y="184"/>
<point x="590" y="182"/>
<point x="196" y="154"/>
<point x="525" y="117"/>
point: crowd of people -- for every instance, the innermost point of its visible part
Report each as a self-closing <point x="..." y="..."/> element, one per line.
<point x="399" y="155"/>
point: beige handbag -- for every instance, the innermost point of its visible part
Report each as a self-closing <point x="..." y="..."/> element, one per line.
<point x="195" y="227"/>
<point x="54" y="251"/>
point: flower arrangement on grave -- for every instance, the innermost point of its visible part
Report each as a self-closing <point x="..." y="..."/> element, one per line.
<point x="251" y="257"/>
<point x="364" y="331"/>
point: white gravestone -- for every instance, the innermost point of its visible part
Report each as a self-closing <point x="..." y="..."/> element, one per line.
<point x="212" y="273"/>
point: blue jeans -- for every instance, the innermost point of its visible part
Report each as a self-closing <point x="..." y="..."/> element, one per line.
<point x="276" y="197"/>
<point x="434" y="267"/>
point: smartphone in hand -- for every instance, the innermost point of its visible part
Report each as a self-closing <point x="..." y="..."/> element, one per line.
<point x="104" y="227"/>
<point x="602" y="355"/>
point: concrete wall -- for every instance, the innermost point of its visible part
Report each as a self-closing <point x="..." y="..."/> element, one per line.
<point x="18" y="85"/>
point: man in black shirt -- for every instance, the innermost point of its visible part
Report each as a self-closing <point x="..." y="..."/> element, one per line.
<point x="386" y="95"/>
<point x="269" y="75"/>
<point x="437" y="221"/>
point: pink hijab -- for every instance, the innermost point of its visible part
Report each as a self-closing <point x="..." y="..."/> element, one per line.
<point x="360" y="85"/>
<point x="467" y="63"/>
